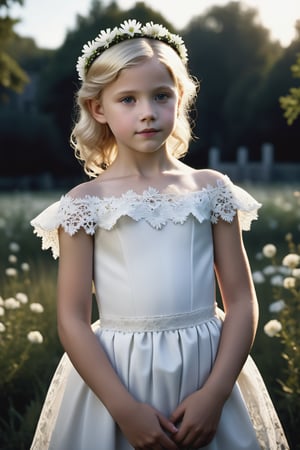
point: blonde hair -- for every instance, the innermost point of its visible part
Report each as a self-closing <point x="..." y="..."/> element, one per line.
<point x="94" y="143"/>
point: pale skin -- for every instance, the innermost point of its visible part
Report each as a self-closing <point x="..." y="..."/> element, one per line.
<point x="150" y="98"/>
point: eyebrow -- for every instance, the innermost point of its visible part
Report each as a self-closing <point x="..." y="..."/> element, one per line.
<point x="155" y="89"/>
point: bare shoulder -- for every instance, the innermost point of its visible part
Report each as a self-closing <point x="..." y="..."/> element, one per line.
<point x="88" y="188"/>
<point x="205" y="177"/>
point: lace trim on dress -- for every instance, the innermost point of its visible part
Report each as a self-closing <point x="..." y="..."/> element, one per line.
<point x="160" y="323"/>
<point x="221" y="201"/>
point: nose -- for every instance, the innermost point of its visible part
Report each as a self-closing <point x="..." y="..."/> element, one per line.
<point x="147" y="111"/>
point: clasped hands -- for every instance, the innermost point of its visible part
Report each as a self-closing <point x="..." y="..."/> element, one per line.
<point x="192" y="425"/>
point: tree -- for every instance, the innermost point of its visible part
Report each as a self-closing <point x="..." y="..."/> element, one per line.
<point x="291" y="103"/>
<point x="230" y="52"/>
<point x="12" y="76"/>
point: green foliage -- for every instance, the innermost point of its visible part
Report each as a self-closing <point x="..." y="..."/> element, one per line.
<point x="291" y="103"/>
<point x="12" y="76"/>
<point x="277" y="277"/>
<point x="27" y="303"/>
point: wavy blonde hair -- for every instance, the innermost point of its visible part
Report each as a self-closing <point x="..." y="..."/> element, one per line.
<point x="94" y="144"/>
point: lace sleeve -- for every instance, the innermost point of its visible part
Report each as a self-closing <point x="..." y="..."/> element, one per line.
<point x="72" y="214"/>
<point x="45" y="226"/>
<point x="227" y="200"/>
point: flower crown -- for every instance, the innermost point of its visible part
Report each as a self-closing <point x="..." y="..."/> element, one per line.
<point x="128" y="30"/>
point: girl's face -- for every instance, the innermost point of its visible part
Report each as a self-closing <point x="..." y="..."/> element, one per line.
<point x="140" y="107"/>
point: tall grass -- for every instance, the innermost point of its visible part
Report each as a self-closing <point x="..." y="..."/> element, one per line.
<point x="26" y="366"/>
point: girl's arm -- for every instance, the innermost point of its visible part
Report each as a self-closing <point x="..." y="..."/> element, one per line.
<point x="141" y="423"/>
<point x="201" y="411"/>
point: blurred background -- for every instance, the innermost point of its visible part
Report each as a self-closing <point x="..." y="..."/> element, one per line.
<point x="243" y="66"/>
<point x="246" y="55"/>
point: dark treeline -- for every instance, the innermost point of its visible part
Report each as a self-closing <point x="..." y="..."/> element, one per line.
<point x="242" y="73"/>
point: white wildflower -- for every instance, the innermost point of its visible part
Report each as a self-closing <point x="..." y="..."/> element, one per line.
<point x="154" y="30"/>
<point x="292" y="260"/>
<point x="36" y="308"/>
<point x="284" y="270"/>
<point x="12" y="259"/>
<point x="2" y="327"/>
<point x="269" y="270"/>
<point x="11" y="303"/>
<point x="25" y="267"/>
<point x="259" y="256"/>
<point x="277" y="306"/>
<point x="130" y="27"/>
<point x="22" y="298"/>
<point x="289" y="283"/>
<point x="105" y="37"/>
<point x="35" y="337"/>
<point x="272" y="328"/>
<point x="269" y="250"/>
<point x="276" y="280"/>
<point x="296" y="273"/>
<point x="127" y="30"/>
<point x="14" y="247"/>
<point x="2" y="311"/>
<point x="258" y="277"/>
<point x="11" y="272"/>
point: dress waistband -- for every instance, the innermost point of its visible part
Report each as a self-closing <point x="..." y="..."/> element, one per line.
<point x="157" y="323"/>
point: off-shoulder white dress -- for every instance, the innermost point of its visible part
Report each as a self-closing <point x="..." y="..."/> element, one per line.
<point x="159" y="324"/>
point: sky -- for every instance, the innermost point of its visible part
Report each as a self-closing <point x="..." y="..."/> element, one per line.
<point x="47" y="21"/>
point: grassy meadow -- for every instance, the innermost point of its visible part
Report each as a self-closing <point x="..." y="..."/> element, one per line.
<point x="29" y="346"/>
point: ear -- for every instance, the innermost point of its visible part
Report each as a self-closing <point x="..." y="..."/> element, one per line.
<point x="96" y="110"/>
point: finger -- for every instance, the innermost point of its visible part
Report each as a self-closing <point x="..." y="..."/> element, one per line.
<point x="177" y="414"/>
<point x="167" y="424"/>
<point x="168" y="444"/>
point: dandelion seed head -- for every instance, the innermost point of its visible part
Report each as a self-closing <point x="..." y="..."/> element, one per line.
<point x="36" y="308"/>
<point x="272" y="328"/>
<point x="35" y="337"/>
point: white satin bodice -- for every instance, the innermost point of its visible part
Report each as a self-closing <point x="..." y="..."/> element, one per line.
<point x="136" y="273"/>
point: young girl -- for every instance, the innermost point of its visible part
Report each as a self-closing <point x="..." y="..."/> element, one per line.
<point x="164" y="368"/>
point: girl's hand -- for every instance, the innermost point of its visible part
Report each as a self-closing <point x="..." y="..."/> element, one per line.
<point x="198" y="415"/>
<point x="147" y="428"/>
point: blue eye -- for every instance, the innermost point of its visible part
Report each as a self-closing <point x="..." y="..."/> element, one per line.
<point x="162" y="96"/>
<point x="127" y="100"/>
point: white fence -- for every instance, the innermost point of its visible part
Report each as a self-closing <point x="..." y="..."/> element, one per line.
<point x="265" y="170"/>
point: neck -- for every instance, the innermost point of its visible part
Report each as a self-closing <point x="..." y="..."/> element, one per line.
<point x="146" y="165"/>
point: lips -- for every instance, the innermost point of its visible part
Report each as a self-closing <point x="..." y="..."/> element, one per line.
<point x="148" y="131"/>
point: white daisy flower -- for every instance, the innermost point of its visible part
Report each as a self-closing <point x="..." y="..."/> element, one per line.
<point x="130" y="27"/>
<point x="154" y="30"/>
<point x="89" y="48"/>
<point x="105" y="37"/>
